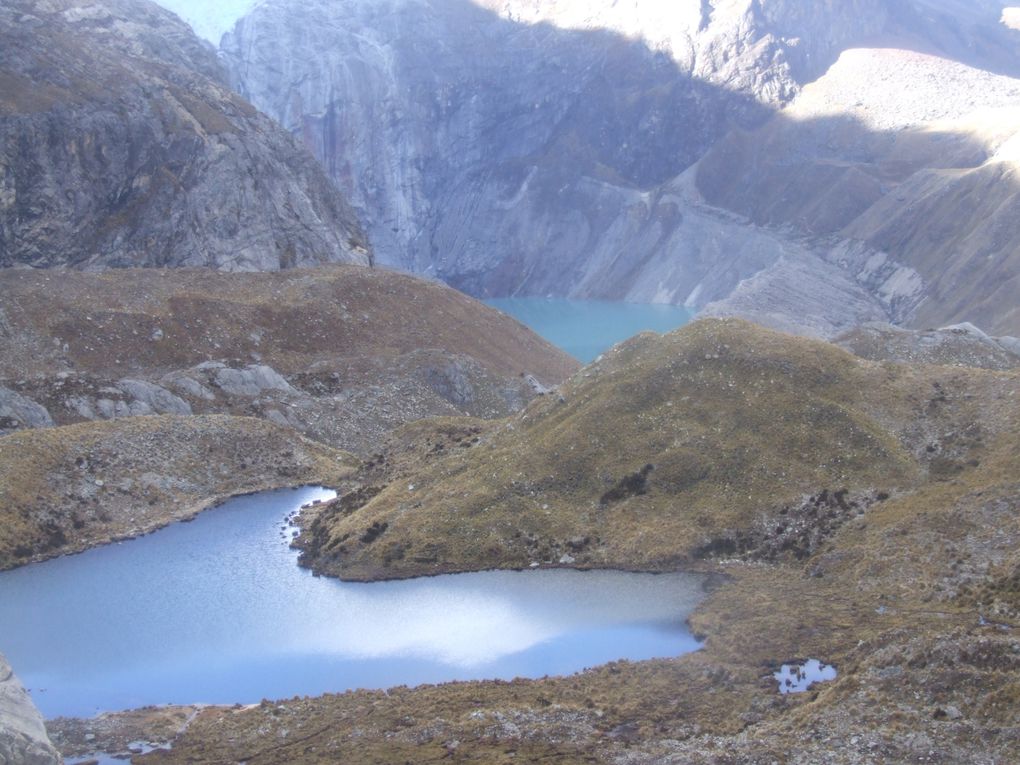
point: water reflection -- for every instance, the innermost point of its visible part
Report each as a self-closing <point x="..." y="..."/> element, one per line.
<point x="797" y="678"/>
<point x="217" y="611"/>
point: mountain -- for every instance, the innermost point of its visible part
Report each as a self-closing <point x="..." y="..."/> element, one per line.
<point x="498" y="153"/>
<point x="617" y="151"/>
<point x="120" y="145"/>
<point x="902" y="167"/>
<point x="342" y="353"/>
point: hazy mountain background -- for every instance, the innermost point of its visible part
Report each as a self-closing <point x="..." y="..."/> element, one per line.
<point x="599" y="150"/>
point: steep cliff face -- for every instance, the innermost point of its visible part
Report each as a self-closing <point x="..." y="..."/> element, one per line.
<point x="23" y="739"/>
<point x="497" y="147"/>
<point x="522" y="147"/>
<point x="121" y="145"/>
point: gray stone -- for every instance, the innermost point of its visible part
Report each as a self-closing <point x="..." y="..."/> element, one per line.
<point x="451" y="383"/>
<point x="188" y="386"/>
<point x="23" y="738"/>
<point x="156" y="398"/>
<point x="110" y="409"/>
<point x="23" y="411"/>
<point x="250" y="381"/>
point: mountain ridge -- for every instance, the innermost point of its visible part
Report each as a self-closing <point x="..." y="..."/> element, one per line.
<point x="121" y="146"/>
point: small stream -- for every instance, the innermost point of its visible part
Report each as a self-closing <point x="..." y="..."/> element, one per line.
<point x="217" y="611"/>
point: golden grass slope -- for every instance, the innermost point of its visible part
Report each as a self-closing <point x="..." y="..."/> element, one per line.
<point x="65" y="489"/>
<point x="148" y="321"/>
<point x="714" y="439"/>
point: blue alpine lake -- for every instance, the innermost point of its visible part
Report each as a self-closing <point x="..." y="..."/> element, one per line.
<point x="217" y="611"/>
<point x="586" y="328"/>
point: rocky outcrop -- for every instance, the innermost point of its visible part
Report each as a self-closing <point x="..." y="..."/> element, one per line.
<point x="23" y="738"/>
<point x="962" y="344"/>
<point x="17" y="411"/>
<point x="121" y="146"/>
<point x="343" y="354"/>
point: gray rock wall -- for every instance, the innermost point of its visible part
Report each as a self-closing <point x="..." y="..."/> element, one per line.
<point x="515" y="147"/>
<point x="120" y="145"/>
<point x="551" y="148"/>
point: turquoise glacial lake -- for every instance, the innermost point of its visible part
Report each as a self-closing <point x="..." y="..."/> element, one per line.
<point x="587" y="328"/>
<point x="217" y="611"/>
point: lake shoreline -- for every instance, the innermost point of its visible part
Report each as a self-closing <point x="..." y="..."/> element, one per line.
<point x="187" y="515"/>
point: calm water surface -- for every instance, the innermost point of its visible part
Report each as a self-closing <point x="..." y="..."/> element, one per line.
<point x="218" y="611"/>
<point x="586" y="328"/>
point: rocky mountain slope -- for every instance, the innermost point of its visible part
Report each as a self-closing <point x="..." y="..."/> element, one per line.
<point x="541" y="148"/>
<point x="69" y="488"/>
<point x="961" y="345"/>
<point x="120" y="145"/>
<point x="906" y="162"/>
<point x="23" y="738"/>
<point x="476" y="144"/>
<point x="342" y="353"/>
<point x="857" y="512"/>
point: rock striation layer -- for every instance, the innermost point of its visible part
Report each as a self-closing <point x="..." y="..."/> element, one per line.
<point x="120" y="145"/>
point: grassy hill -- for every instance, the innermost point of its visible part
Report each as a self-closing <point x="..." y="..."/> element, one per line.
<point x="342" y="354"/>
<point x="720" y="438"/>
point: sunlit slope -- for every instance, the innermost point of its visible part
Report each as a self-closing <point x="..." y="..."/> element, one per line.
<point x="668" y="450"/>
<point x="911" y="156"/>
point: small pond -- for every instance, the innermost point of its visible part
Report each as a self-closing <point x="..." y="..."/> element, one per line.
<point x="586" y="328"/>
<point x="217" y="611"/>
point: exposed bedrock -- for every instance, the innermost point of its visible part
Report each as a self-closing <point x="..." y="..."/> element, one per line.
<point x="581" y="149"/>
<point x="120" y="145"/>
<point x="23" y="739"/>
